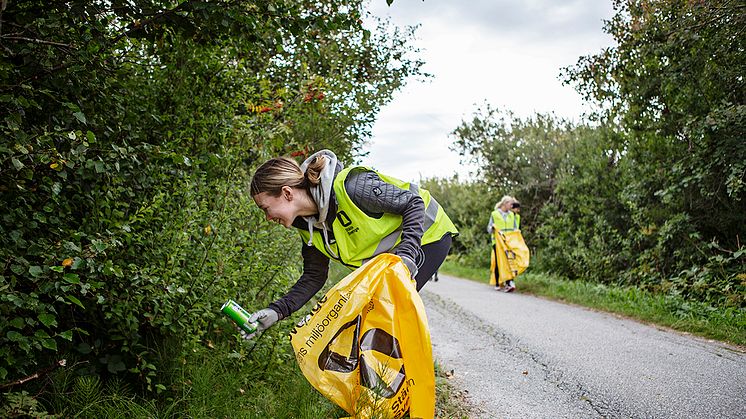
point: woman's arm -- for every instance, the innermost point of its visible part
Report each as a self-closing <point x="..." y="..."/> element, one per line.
<point x="315" y="272"/>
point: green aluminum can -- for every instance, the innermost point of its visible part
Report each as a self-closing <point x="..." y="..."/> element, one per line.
<point x="239" y="315"/>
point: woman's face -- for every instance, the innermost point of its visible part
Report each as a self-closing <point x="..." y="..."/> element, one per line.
<point x="280" y="209"/>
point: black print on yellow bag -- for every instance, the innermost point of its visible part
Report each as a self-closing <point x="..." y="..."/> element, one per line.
<point x="332" y="361"/>
<point x="366" y="344"/>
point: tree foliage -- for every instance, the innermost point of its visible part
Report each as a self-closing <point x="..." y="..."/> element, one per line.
<point x="466" y="206"/>
<point x="520" y="157"/>
<point x="128" y="131"/>
<point x="675" y="83"/>
<point x="650" y="193"/>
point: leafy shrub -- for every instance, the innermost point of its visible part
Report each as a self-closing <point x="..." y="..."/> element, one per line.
<point x="128" y="134"/>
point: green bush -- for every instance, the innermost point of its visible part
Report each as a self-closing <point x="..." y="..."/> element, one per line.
<point x="128" y="134"/>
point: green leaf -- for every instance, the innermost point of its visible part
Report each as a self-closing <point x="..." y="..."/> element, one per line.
<point x="17" y="164"/>
<point x="48" y="319"/>
<point x="35" y="271"/>
<point x="115" y="366"/>
<point x="80" y="117"/>
<point x="67" y="335"/>
<point x="14" y="336"/>
<point x="75" y="300"/>
<point x="99" y="245"/>
<point x="91" y="137"/>
<point x="15" y="300"/>
<point x="72" y="278"/>
<point x="49" y="344"/>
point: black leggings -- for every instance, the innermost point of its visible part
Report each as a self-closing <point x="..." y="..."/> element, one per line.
<point x="496" y="271"/>
<point x="435" y="254"/>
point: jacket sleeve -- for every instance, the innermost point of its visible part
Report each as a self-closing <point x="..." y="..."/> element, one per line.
<point x="490" y="225"/>
<point x="375" y="197"/>
<point x="315" y="272"/>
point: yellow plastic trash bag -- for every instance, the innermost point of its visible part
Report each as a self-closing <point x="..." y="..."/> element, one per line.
<point x="511" y="255"/>
<point x="366" y="344"/>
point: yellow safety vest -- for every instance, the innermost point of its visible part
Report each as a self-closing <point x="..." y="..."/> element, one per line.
<point x="358" y="237"/>
<point x="508" y="224"/>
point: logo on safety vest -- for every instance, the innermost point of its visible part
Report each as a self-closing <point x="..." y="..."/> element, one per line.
<point x="344" y="219"/>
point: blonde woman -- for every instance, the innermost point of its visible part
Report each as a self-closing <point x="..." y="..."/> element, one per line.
<point x="502" y="219"/>
<point x="348" y="215"/>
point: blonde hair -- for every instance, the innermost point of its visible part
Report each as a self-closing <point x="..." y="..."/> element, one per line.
<point x="504" y="200"/>
<point x="275" y="173"/>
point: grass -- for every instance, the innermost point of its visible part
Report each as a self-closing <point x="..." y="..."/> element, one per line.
<point x="212" y="385"/>
<point x="727" y="324"/>
<point x="450" y="402"/>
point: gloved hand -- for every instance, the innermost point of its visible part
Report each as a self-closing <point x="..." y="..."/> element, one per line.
<point x="264" y="319"/>
<point x="411" y="265"/>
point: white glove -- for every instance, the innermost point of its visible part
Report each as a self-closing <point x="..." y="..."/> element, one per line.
<point x="264" y="319"/>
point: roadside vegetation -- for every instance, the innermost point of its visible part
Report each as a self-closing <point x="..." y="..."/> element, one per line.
<point x="725" y="324"/>
<point x="128" y="131"/>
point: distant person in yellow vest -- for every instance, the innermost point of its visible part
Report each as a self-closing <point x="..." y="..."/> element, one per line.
<point x="348" y="215"/>
<point x="502" y="219"/>
<point x="515" y="207"/>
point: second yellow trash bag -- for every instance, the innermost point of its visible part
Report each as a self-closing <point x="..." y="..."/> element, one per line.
<point x="511" y="256"/>
<point x="366" y="344"/>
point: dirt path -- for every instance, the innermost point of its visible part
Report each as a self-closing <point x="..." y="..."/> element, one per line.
<point x="523" y="357"/>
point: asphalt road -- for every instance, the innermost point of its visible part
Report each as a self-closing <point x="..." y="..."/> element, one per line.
<point x="520" y="356"/>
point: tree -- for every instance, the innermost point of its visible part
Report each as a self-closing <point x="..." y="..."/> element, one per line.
<point x="514" y="156"/>
<point x="675" y="84"/>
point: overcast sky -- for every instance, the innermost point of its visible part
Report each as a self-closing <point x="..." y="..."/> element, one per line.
<point x="507" y="53"/>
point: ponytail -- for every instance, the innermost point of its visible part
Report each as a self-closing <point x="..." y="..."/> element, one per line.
<point x="313" y="171"/>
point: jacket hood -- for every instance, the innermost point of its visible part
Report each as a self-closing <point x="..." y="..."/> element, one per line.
<point x="321" y="193"/>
